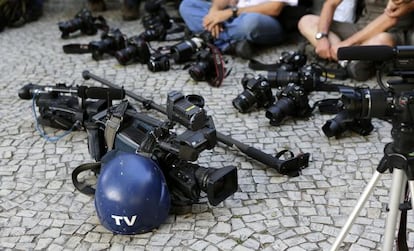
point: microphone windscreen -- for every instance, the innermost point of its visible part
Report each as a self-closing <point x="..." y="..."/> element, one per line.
<point x="368" y="52"/>
<point x="26" y="91"/>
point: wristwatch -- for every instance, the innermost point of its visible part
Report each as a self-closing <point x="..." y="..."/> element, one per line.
<point x="234" y="10"/>
<point x="320" y="35"/>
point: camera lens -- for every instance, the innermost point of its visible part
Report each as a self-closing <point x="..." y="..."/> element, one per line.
<point x="125" y="55"/>
<point x="217" y="183"/>
<point x="282" y="78"/>
<point x="244" y="101"/>
<point x="70" y="26"/>
<point x="158" y="64"/>
<point x="337" y="125"/>
<point x="282" y="108"/>
<point x="183" y="51"/>
<point x="199" y="71"/>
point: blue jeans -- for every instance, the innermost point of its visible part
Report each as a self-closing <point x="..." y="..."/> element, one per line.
<point x="253" y="27"/>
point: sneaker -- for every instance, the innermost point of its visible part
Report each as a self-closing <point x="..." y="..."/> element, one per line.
<point x="130" y="12"/>
<point x="97" y="5"/>
<point x="243" y="49"/>
<point x="360" y="70"/>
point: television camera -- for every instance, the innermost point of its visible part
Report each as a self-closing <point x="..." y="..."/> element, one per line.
<point x="121" y="127"/>
<point x="391" y="103"/>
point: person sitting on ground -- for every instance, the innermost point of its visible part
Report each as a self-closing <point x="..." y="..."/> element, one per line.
<point x="130" y="8"/>
<point x="326" y="34"/>
<point x="236" y="27"/>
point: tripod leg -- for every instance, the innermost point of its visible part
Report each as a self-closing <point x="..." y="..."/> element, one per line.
<point x="361" y="202"/>
<point x="411" y="187"/>
<point x="396" y="197"/>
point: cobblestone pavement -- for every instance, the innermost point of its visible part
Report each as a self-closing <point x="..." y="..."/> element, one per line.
<point x="40" y="208"/>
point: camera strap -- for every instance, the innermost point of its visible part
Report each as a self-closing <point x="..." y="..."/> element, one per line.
<point x="115" y="117"/>
<point x="81" y="186"/>
<point x="218" y="65"/>
<point x="402" y="231"/>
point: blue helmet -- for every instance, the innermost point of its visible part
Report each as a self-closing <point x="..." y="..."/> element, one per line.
<point x="131" y="195"/>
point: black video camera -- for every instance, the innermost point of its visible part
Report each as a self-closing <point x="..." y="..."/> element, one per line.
<point x="83" y="22"/>
<point x="140" y="133"/>
<point x="393" y="102"/>
<point x="257" y="93"/>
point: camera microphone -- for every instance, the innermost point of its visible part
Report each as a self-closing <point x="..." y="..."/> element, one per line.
<point x="375" y="52"/>
<point x="28" y="91"/>
<point x="101" y="93"/>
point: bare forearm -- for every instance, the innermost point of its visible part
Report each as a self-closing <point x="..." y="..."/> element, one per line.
<point x="326" y="16"/>
<point x="220" y="4"/>
<point x="378" y="25"/>
<point x="399" y="8"/>
<point x="270" y="9"/>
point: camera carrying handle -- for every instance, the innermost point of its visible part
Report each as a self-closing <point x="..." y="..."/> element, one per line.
<point x="290" y="167"/>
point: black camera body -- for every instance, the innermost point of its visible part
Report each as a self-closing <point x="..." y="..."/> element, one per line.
<point x="158" y="62"/>
<point x="111" y="42"/>
<point x="257" y="93"/>
<point x="83" y="22"/>
<point x="136" y="50"/>
<point x="156" y="22"/>
<point x="203" y="69"/>
<point x="291" y="61"/>
<point x="156" y="32"/>
<point x="291" y="101"/>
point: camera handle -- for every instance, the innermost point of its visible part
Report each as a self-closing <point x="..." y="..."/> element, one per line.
<point x="290" y="167"/>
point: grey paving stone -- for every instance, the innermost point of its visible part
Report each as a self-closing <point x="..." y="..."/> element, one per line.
<point x="41" y="210"/>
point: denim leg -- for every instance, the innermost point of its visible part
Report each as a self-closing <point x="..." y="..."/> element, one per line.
<point x="193" y="12"/>
<point x="255" y="28"/>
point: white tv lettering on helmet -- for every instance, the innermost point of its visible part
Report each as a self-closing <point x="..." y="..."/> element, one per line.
<point x="118" y="219"/>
